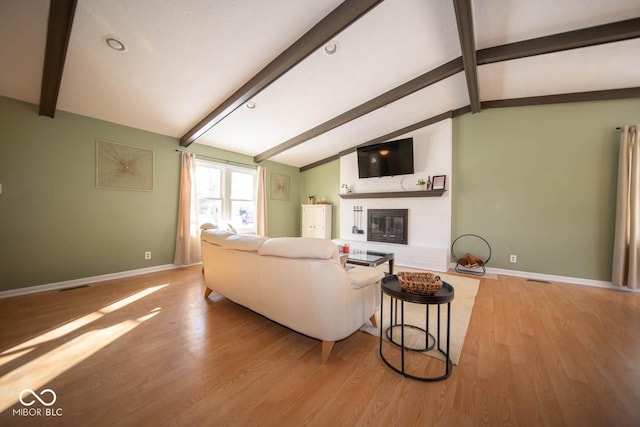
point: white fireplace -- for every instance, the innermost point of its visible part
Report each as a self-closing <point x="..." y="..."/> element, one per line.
<point x="428" y="218"/>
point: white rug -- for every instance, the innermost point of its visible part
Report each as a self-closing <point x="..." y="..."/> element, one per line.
<point x="465" y="290"/>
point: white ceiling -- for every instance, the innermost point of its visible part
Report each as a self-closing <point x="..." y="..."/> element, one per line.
<point x="185" y="58"/>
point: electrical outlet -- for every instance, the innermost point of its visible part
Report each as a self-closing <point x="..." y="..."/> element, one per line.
<point x="513" y="258"/>
<point x="147" y="255"/>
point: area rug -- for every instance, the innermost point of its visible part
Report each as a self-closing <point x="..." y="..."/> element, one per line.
<point x="465" y="289"/>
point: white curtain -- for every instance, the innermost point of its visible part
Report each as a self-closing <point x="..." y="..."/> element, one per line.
<point x="187" y="237"/>
<point x="261" y="202"/>
<point x="626" y="246"/>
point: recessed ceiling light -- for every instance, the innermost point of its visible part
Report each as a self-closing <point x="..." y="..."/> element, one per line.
<point x="115" y="44"/>
<point x="331" y="48"/>
<point x="250" y="105"/>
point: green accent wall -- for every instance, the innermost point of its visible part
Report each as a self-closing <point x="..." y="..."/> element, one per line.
<point x="539" y="182"/>
<point x="55" y="225"/>
<point x="323" y="181"/>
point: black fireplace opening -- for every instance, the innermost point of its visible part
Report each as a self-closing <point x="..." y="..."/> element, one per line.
<point x="388" y="225"/>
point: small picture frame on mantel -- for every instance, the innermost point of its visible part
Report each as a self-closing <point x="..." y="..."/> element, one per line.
<point x="438" y="182"/>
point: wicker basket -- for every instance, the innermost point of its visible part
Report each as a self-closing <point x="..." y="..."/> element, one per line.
<point x="419" y="283"/>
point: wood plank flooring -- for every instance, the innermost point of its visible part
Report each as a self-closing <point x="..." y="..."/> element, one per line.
<point x="149" y="350"/>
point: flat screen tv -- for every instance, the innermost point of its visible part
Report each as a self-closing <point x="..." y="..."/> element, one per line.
<point x="386" y="159"/>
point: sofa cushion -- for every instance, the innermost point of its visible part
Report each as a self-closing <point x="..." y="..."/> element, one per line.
<point x="299" y="247"/>
<point x="244" y="242"/>
<point x="228" y="240"/>
<point x="364" y="276"/>
<point x="215" y="236"/>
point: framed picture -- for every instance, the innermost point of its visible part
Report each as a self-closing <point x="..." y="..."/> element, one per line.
<point x="280" y="187"/>
<point x="438" y="182"/>
<point x="123" y="167"/>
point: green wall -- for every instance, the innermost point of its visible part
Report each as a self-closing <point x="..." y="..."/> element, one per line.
<point x="323" y="181"/>
<point x="539" y="182"/>
<point x="283" y="216"/>
<point x="55" y="225"/>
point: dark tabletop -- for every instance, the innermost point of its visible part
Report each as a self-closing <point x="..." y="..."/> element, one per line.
<point x="391" y="286"/>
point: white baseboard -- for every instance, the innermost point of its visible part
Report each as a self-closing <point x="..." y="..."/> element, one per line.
<point x="88" y="280"/>
<point x="85" y="281"/>
<point x="553" y="278"/>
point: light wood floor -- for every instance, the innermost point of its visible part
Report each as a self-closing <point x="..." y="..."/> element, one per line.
<point x="535" y="354"/>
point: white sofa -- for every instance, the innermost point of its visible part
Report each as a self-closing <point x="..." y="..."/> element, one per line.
<point x="295" y="281"/>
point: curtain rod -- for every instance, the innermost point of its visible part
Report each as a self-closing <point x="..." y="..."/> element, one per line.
<point x="229" y="162"/>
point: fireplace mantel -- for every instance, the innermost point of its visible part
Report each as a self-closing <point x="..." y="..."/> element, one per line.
<point x="393" y="194"/>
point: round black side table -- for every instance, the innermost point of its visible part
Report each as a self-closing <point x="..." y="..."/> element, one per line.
<point x="391" y="286"/>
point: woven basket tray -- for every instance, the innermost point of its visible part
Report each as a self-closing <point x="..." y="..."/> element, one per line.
<point x="419" y="283"/>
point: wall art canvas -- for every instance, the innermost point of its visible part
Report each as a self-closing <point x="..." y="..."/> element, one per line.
<point x="280" y="187"/>
<point x="123" y="167"/>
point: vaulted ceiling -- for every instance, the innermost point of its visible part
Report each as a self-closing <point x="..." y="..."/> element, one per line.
<point x="190" y="68"/>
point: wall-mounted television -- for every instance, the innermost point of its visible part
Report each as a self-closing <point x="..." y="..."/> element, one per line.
<point x="386" y="159"/>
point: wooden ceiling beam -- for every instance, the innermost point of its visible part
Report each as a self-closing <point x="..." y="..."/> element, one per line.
<point x="595" y="95"/>
<point x="340" y="18"/>
<point x="464" y="20"/>
<point x="420" y="82"/>
<point x="387" y="137"/>
<point x="61" y="13"/>
<point x="607" y="33"/>
<point x="419" y="125"/>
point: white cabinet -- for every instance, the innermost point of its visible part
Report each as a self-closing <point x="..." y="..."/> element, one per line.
<point x="316" y="221"/>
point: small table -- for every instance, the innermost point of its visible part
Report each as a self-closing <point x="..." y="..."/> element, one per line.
<point x="370" y="258"/>
<point x="391" y="286"/>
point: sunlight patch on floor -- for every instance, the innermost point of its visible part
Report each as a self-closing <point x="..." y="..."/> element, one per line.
<point x="16" y="351"/>
<point x="39" y="371"/>
<point x="53" y="334"/>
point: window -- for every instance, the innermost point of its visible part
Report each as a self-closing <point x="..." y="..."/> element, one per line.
<point x="226" y="195"/>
